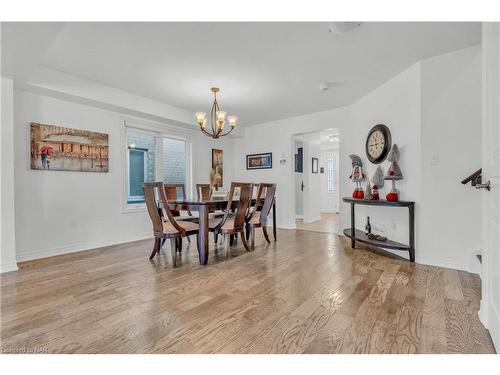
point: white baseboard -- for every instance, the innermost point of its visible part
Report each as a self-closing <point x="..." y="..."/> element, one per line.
<point x="312" y="220"/>
<point x="284" y="225"/>
<point x="45" y="253"/>
<point x="442" y="262"/>
<point x="8" y="267"/>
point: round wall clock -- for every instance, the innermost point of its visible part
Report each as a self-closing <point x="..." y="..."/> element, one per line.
<point x="378" y="143"/>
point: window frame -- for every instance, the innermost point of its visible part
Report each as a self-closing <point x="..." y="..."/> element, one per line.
<point x="330" y="175"/>
<point x="159" y="131"/>
<point x="145" y="161"/>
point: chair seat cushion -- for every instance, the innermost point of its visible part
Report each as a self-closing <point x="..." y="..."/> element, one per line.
<point x="227" y="227"/>
<point x="255" y="221"/>
<point x="189" y="226"/>
<point x="186" y="217"/>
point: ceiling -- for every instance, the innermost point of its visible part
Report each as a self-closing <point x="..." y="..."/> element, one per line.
<point x="266" y="71"/>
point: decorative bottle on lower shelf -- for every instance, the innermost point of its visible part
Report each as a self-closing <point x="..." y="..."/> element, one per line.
<point x="368" y="227"/>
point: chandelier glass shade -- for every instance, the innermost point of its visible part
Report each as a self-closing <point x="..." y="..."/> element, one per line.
<point x="217" y="120"/>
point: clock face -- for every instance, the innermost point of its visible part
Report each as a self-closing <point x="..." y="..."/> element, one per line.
<point x="378" y="143"/>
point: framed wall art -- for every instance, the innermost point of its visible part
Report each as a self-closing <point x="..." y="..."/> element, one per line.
<point x="315" y="163"/>
<point x="218" y="167"/>
<point x="58" y="148"/>
<point x="260" y="161"/>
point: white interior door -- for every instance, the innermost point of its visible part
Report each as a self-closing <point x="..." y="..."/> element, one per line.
<point x="299" y="181"/>
<point x="490" y="275"/>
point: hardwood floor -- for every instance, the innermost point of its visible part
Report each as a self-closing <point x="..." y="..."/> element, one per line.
<point x="307" y="293"/>
<point x="329" y="223"/>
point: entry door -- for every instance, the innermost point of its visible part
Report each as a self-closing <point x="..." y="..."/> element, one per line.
<point x="490" y="304"/>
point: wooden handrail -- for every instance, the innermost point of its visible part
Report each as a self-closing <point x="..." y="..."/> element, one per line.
<point x="472" y="177"/>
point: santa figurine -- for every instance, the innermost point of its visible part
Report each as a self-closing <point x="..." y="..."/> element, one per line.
<point x="357" y="176"/>
<point x="378" y="183"/>
<point x="393" y="173"/>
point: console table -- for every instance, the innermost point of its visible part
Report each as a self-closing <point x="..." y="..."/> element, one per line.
<point x="359" y="235"/>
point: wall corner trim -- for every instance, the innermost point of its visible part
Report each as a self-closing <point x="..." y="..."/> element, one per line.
<point x="8" y="267"/>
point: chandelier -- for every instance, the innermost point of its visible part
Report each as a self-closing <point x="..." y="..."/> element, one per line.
<point x="217" y="119"/>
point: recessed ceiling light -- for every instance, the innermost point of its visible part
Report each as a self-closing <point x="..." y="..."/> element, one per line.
<point x="324" y="86"/>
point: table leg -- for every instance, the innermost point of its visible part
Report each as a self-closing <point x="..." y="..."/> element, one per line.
<point x="411" y="212"/>
<point x="203" y="235"/>
<point x="353" y="223"/>
<point x="274" y="220"/>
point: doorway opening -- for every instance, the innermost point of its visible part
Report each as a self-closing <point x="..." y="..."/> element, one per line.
<point x="316" y="180"/>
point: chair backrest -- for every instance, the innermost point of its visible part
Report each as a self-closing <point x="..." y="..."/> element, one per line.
<point x="244" y="199"/>
<point x="172" y="192"/>
<point x="263" y="201"/>
<point x="157" y="205"/>
<point x="204" y="191"/>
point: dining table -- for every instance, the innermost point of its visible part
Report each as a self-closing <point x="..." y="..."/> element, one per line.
<point x="204" y="207"/>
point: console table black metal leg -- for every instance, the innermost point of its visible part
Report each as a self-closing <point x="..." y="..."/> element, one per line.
<point x="353" y="241"/>
<point x="411" y="212"/>
<point x="274" y="219"/>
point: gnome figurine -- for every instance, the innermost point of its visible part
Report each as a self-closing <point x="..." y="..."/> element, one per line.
<point x="393" y="173"/>
<point x="357" y="176"/>
<point x="378" y="183"/>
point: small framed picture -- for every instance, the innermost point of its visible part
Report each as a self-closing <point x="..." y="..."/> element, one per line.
<point x="260" y="161"/>
<point x="314" y="165"/>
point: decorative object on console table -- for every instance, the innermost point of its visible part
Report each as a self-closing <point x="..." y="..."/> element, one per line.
<point x="315" y="165"/>
<point x="378" y="183"/>
<point x="357" y="176"/>
<point x="368" y="227"/>
<point x="368" y="192"/>
<point x="260" y="161"/>
<point x="393" y="173"/>
<point x="218" y="167"/>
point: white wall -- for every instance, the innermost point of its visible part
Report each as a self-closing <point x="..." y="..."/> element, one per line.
<point x="59" y="212"/>
<point x="396" y="104"/>
<point x="299" y="201"/>
<point x="277" y="137"/>
<point x="423" y="106"/>
<point x="7" y="220"/>
<point x="312" y="192"/>
<point x="451" y="150"/>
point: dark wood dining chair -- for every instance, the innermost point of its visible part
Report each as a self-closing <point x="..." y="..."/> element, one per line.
<point x="164" y="224"/>
<point x="174" y="191"/>
<point x="233" y="224"/>
<point x="203" y="191"/>
<point x="257" y="217"/>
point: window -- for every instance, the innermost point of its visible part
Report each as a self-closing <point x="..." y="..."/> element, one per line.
<point x="151" y="156"/>
<point x="329" y="175"/>
<point x="174" y="161"/>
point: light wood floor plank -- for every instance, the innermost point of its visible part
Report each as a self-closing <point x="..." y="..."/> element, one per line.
<point x="307" y="293"/>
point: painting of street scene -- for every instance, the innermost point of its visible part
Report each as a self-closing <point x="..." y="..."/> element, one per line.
<point x="64" y="149"/>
